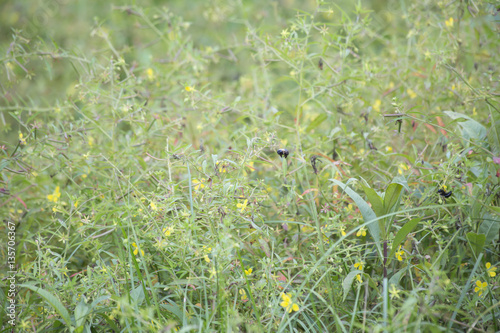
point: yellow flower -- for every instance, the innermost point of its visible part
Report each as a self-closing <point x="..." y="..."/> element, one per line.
<point x="449" y="22"/>
<point x="54" y="196"/>
<point x="376" y="105"/>
<point x="411" y="93"/>
<point x="242" y="205"/>
<point x="342" y="231"/>
<point x="22" y="140"/>
<point x="480" y="287"/>
<point x="136" y="251"/>
<point x="150" y="74"/>
<point x="198" y="183"/>
<point x="153" y="205"/>
<point x="188" y="88"/>
<point x="243" y="294"/>
<point x="248" y="271"/>
<point x="360" y="280"/>
<point x="207" y="259"/>
<point x="491" y="270"/>
<point x="399" y="253"/>
<point x="84" y="176"/>
<point x="288" y="304"/>
<point x="388" y="149"/>
<point x="307" y="228"/>
<point x="167" y="231"/>
<point x="359" y="265"/>
<point x="361" y="232"/>
<point x="394" y="291"/>
<point x="76" y="204"/>
<point x="91" y="141"/>
<point x="402" y="167"/>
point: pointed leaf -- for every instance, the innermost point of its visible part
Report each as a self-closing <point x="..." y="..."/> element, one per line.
<point x="52" y="300"/>
<point x="490" y="227"/>
<point x="471" y="129"/>
<point x="316" y="122"/>
<point x="391" y="196"/>
<point x="366" y="211"/>
<point x="476" y="242"/>
<point x="401" y="235"/>
<point x="375" y="200"/>
<point x="347" y="283"/>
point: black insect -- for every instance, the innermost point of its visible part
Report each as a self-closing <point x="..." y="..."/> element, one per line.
<point x="314" y="161"/>
<point x="320" y="64"/>
<point x="283" y="152"/>
<point x="444" y="194"/>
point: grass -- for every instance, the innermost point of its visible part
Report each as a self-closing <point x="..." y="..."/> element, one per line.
<point x="140" y="168"/>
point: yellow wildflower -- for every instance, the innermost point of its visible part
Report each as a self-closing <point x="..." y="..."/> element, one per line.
<point x="136" y="251"/>
<point x="342" y="231"/>
<point x="189" y="89"/>
<point x="449" y="22"/>
<point x="399" y="254"/>
<point x="360" y="280"/>
<point x="243" y="294"/>
<point x="361" y="232"/>
<point x="376" y="105"/>
<point x="394" y="292"/>
<point x="402" y="167"/>
<point x="168" y="231"/>
<point x="153" y="205"/>
<point x="411" y="93"/>
<point x="480" y="287"/>
<point x="198" y="183"/>
<point x="491" y="270"/>
<point x="207" y="259"/>
<point x="248" y="271"/>
<point x="284" y="33"/>
<point x="242" y="205"/>
<point x="288" y="304"/>
<point x="388" y="149"/>
<point x="150" y="74"/>
<point x="359" y="265"/>
<point x="22" y="140"/>
<point x="54" y="196"/>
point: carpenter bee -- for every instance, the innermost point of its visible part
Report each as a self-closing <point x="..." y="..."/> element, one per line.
<point x="444" y="194"/>
<point x="283" y="152"/>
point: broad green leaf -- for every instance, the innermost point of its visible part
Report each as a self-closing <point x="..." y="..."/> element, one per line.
<point x="316" y="122"/>
<point x="375" y="200"/>
<point x="365" y="209"/>
<point x="489" y="227"/>
<point x="471" y="129"/>
<point x="81" y="311"/>
<point x="349" y="279"/>
<point x="52" y="300"/>
<point x="476" y="242"/>
<point x="401" y="235"/>
<point x="391" y="196"/>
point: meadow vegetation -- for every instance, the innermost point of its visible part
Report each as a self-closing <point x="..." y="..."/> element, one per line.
<point x="139" y="165"/>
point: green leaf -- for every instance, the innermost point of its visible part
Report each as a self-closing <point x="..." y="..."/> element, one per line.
<point x="347" y="283"/>
<point x="375" y="200"/>
<point x="365" y="209"/>
<point x="316" y="122"/>
<point x="476" y="242"/>
<point x="471" y="129"/>
<point x="494" y="135"/>
<point x="490" y="227"/>
<point x="81" y="311"/>
<point x="401" y="235"/>
<point x="391" y="196"/>
<point x="52" y="300"/>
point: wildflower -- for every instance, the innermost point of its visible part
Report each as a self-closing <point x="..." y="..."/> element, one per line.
<point x="376" y="105"/>
<point x="361" y="232"/>
<point x="324" y="30"/>
<point x="388" y="149"/>
<point x="342" y="231"/>
<point x="449" y="22"/>
<point x="399" y="253"/>
<point x="248" y="271"/>
<point x="167" y="231"/>
<point x="307" y="228"/>
<point x="480" y="287"/>
<point x="222" y="168"/>
<point x="491" y="270"/>
<point x="54" y="196"/>
<point x="22" y="140"/>
<point x="288" y="304"/>
<point x="243" y="294"/>
<point x="189" y="89"/>
<point x="91" y="141"/>
<point x="136" y="251"/>
<point x="359" y="265"/>
<point x="411" y="93"/>
<point x="207" y="259"/>
<point x="284" y="33"/>
<point x="394" y="291"/>
<point x="358" y="277"/>
<point x="402" y="167"/>
<point x="153" y="205"/>
<point x="198" y="183"/>
<point x="242" y="205"/>
<point x="150" y="74"/>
